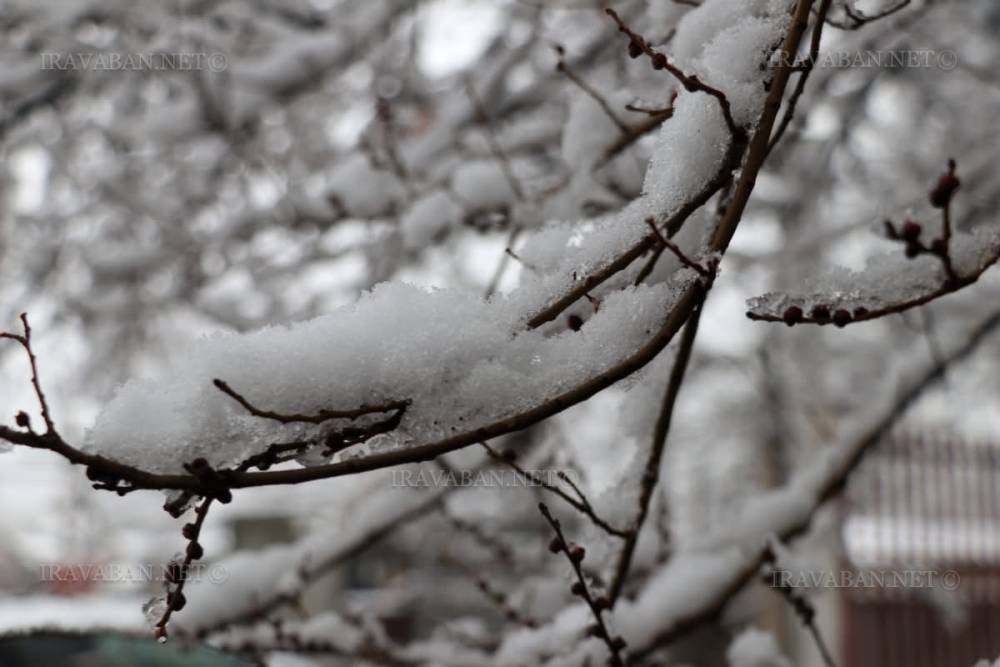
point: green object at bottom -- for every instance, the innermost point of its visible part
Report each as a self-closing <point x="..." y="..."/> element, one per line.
<point x="67" y="649"/>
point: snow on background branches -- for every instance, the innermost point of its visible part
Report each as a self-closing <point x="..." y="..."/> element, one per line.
<point x="461" y="237"/>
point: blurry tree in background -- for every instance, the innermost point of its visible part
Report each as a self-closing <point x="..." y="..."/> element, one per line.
<point x="517" y="275"/>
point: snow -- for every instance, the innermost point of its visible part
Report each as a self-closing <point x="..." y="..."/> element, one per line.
<point x="701" y="572"/>
<point x="365" y="191"/>
<point x="330" y="627"/>
<point x="395" y="343"/>
<point x="755" y="648"/>
<point x="466" y="362"/>
<point x="726" y="44"/>
<point x="466" y="27"/>
<point x="687" y="583"/>
<point x="529" y="646"/>
<point x="462" y="361"/>
<point x="428" y="217"/>
<point x="482" y="184"/>
<point x="323" y="629"/>
<point x="79" y="612"/>
<point x="251" y="579"/>
<point x="699" y="27"/>
<point x="697" y="129"/>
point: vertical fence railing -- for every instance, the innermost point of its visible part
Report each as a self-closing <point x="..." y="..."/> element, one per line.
<point x="926" y="502"/>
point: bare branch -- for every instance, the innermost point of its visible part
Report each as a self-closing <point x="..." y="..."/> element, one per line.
<point x="638" y="45"/>
<point x="319" y="418"/>
<point x="178" y="572"/>
<point x="25" y="342"/>
<point x="581" y="505"/>
<point x="598" y="605"/>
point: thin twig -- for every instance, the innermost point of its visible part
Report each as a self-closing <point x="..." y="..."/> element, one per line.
<point x="650" y="264"/>
<point x="807" y="68"/>
<point x="25" y="342"/>
<point x="691" y="83"/>
<point x="498" y="152"/>
<point x="508" y="254"/>
<point x="675" y="249"/>
<point x="175" y="595"/>
<point x="635" y="133"/>
<point x="581" y="505"/>
<point x="563" y="68"/>
<point x="575" y="554"/>
<point x="651" y="475"/>
<point x="318" y="418"/>
<point x="803" y="608"/>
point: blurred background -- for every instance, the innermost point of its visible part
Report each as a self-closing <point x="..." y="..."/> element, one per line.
<point x="319" y="147"/>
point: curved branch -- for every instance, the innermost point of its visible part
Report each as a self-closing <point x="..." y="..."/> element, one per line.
<point x="675" y="319"/>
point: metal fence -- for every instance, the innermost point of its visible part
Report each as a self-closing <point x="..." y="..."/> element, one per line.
<point x="926" y="502"/>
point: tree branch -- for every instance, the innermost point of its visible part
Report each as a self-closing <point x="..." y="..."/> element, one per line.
<point x="319" y="418"/>
<point x="651" y="475"/>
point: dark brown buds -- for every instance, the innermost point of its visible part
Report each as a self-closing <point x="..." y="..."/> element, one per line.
<point x="618" y="644"/>
<point x="792" y="315"/>
<point x="602" y="603"/>
<point x="659" y="61"/>
<point x="195" y="551"/>
<point x="842" y="317"/>
<point x="556" y="545"/>
<point x="634" y="49"/>
<point x="946" y="186"/>
<point x="23" y="420"/>
<point x="911" y="231"/>
<point x="176" y="600"/>
<point x="189" y="531"/>
<point x="577" y="588"/>
<point x="576" y="553"/>
<point x="820" y="313"/>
